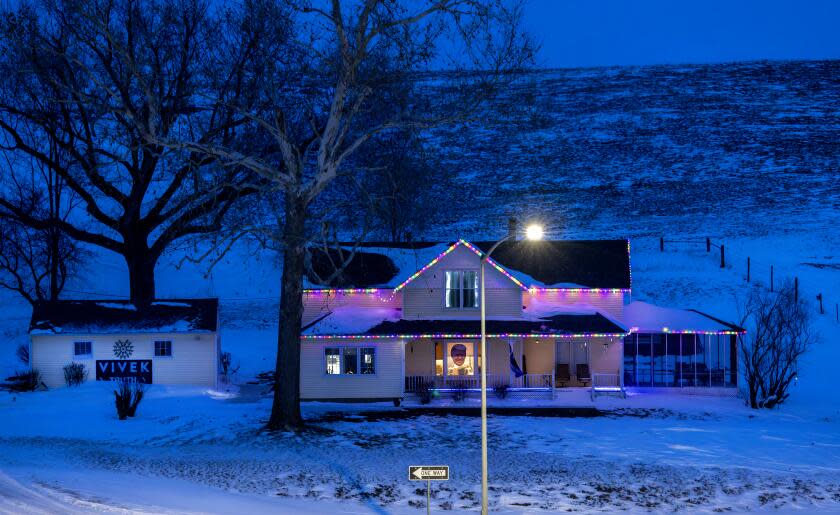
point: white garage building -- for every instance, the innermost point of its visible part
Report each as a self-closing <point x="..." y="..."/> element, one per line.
<point x="174" y="341"/>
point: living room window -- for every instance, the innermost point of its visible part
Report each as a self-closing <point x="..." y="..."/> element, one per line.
<point x="461" y="289"/>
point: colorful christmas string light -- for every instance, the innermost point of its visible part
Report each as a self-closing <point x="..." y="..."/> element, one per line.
<point x="457" y="335"/>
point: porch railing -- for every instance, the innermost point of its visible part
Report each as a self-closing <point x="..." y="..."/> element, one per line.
<point x="606" y="383"/>
<point x="527" y="381"/>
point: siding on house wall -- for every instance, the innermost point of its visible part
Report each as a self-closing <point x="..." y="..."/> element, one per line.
<point x="607" y="360"/>
<point x="539" y="355"/>
<point x="423" y="298"/>
<point x="316" y="305"/>
<point x="610" y="304"/>
<point x="194" y="356"/>
<point x="387" y="383"/>
<point x="420" y="357"/>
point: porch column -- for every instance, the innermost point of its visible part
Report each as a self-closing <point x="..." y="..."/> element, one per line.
<point x="621" y="364"/>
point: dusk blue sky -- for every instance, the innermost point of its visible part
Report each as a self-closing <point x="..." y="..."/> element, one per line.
<point x="577" y="33"/>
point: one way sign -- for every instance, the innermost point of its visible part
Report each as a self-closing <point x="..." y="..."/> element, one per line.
<point x="428" y="473"/>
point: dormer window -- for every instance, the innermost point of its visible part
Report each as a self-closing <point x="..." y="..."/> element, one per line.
<point x="461" y="289"/>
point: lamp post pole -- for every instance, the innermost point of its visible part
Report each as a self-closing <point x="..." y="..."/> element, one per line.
<point x="483" y="306"/>
<point x="534" y="232"/>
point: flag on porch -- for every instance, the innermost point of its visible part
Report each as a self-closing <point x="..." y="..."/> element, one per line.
<point x="514" y="367"/>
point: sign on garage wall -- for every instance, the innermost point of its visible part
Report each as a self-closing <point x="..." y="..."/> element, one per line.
<point x="138" y="369"/>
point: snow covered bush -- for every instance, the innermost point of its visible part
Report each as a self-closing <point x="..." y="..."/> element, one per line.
<point x="24" y="381"/>
<point x="75" y="374"/>
<point x="22" y="353"/>
<point x="128" y="393"/>
<point x="778" y="334"/>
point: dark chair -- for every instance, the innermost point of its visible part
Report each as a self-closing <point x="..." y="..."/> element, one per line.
<point x="562" y="376"/>
<point x="583" y="373"/>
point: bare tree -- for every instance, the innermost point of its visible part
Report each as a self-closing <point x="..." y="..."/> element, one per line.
<point x="106" y="81"/>
<point x="36" y="262"/>
<point x="402" y="180"/>
<point x="357" y="70"/>
<point x="778" y="334"/>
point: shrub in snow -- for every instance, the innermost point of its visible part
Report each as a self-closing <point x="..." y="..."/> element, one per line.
<point x="24" y="381"/>
<point x="75" y="374"/>
<point x="128" y="393"/>
<point x="501" y="390"/>
<point x="22" y="353"/>
<point x="459" y="392"/>
<point x="425" y="392"/>
<point x="229" y="369"/>
<point x="778" y="334"/>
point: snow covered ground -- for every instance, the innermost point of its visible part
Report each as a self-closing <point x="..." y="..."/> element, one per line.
<point x="648" y="453"/>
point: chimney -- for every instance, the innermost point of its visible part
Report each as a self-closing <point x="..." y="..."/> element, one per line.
<point x="512" y="228"/>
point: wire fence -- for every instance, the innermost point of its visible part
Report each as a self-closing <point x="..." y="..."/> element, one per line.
<point x="825" y="306"/>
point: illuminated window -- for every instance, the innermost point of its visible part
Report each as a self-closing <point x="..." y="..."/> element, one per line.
<point x="368" y="360"/>
<point x="333" y="360"/>
<point x="461" y="289"/>
<point x="460" y="359"/>
<point x="350" y="360"/>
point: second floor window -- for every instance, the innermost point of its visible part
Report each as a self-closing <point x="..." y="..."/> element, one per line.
<point x="461" y="289"/>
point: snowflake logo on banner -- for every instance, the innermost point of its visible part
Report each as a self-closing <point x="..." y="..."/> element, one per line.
<point x="123" y="349"/>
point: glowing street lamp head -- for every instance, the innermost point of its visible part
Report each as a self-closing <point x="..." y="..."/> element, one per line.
<point x="534" y="232"/>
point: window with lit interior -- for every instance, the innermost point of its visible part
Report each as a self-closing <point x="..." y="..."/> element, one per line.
<point x="350" y="360"/>
<point x="461" y="289"/>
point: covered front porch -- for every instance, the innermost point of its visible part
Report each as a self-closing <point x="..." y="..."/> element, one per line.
<point x="515" y="365"/>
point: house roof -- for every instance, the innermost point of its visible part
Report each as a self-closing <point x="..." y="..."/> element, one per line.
<point x="389" y="324"/>
<point x="120" y="316"/>
<point x="643" y="317"/>
<point x="551" y="263"/>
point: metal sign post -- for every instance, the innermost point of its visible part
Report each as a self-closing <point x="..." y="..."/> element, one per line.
<point x="428" y="473"/>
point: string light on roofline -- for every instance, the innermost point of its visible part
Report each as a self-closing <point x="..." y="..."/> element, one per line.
<point x="456" y="335"/>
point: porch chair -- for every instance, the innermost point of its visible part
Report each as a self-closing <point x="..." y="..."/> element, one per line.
<point x="562" y="376"/>
<point x="583" y="374"/>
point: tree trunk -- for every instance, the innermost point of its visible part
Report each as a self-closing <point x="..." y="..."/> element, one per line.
<point x="285" y="411"/>
<point x="54" y="258"/>
<point x="141" y="276"/>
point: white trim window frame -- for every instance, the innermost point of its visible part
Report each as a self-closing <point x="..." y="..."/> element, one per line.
<point x="460" y="289"/>
<point x="163" y="348"/>
<point x="83" y="355"/>
<point x="350" y="360"/>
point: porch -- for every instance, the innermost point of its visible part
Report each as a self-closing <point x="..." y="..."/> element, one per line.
<point x="451" y="368"/>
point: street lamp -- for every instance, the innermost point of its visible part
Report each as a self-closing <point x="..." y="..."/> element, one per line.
<point x="532" y="232"/>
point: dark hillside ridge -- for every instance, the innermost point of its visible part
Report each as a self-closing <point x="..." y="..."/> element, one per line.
<point x="618" y="152"/>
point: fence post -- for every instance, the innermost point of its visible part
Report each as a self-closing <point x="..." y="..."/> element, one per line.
<point x="796" y="289"/>
<point x="708" y="244"/>
<point x="661" y="244"/>
<point x="748" y="269"/>
<point x="771" y="278"/>
<point x="819" y="298"/>
<point x="722" y="260"/>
